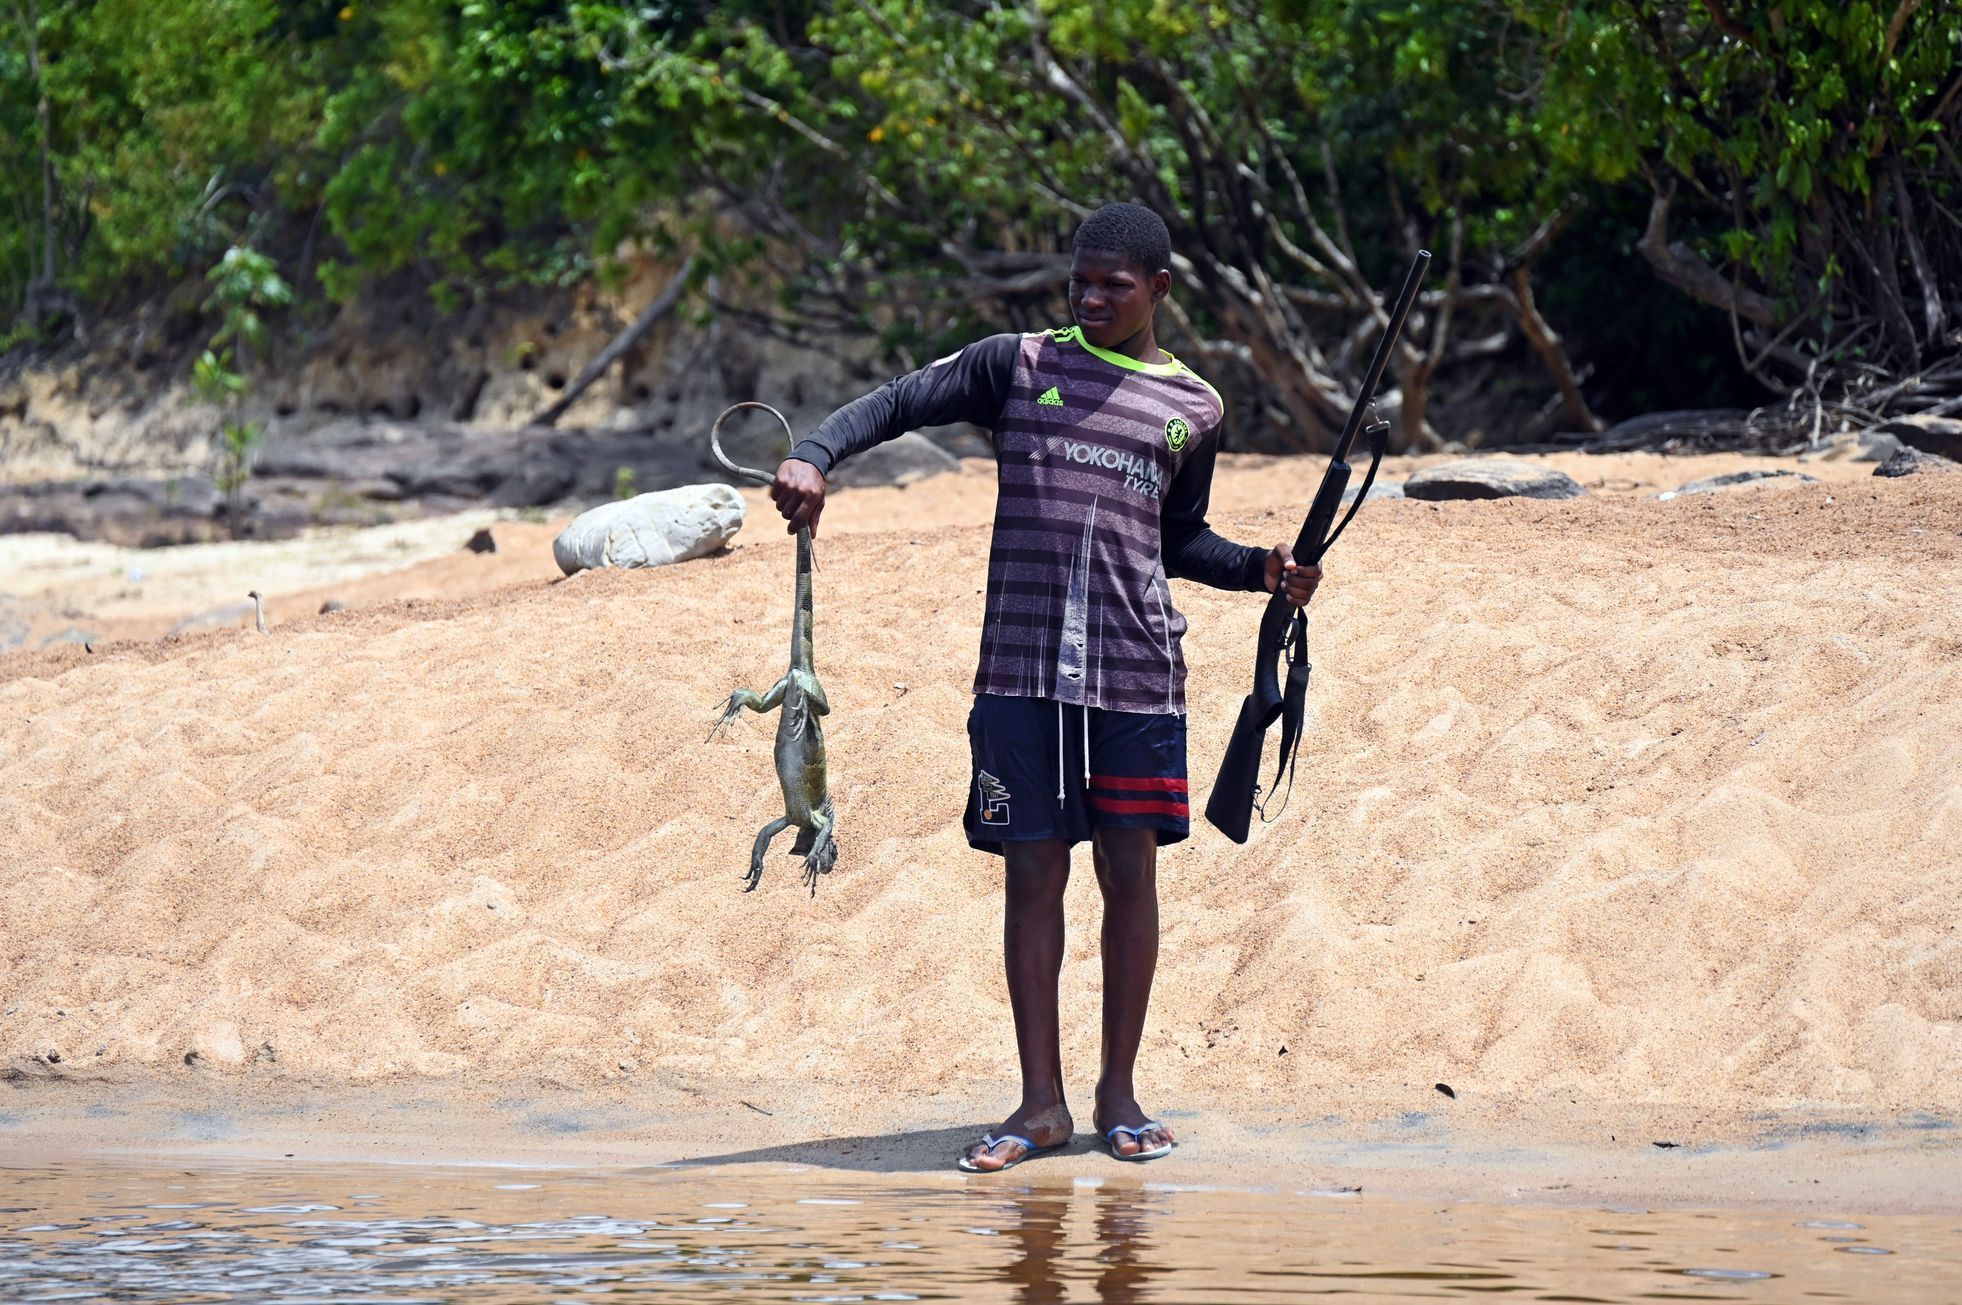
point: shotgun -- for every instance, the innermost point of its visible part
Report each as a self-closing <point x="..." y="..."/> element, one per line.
<point x="1284" y="629"/>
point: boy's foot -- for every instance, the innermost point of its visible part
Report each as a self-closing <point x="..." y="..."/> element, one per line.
<point x="1043" y="1130"/>
<point x="1124" y="1115"/>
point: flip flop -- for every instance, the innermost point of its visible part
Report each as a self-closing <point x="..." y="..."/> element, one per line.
<point x="1136" y="1135"/>
<point x="989" y="1142"/>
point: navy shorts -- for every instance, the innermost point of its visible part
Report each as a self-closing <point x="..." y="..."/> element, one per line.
<point x="1030" y="764"/>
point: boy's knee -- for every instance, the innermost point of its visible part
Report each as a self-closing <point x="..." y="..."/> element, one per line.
<point x="1037" y="871"/>
<point x="1127" y="859"/>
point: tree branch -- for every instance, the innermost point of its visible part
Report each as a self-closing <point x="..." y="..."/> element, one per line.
<point x="1894" y="25"/>
<point x="1932" y="311"/>
<point x="663" y="304"/>
<point x="1683" y="268"/>
<point x="1730" y="26"/>
<point x="1547" y="344"/>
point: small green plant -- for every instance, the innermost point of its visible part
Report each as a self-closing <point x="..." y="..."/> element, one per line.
<point x="21" y="332"/>
<point x="623" y="483"/>
<point x="244" y="282"/>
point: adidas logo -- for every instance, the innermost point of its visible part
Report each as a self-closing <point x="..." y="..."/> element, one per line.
<point x="1051" y="398"/>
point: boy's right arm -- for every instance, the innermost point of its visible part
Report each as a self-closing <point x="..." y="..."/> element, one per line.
<point x="970" y="386"/>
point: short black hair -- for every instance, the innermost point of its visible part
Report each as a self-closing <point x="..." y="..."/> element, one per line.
<point x="1131" y="230"/>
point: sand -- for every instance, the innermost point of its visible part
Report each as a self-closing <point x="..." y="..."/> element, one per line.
<point x="1607" y="804"/>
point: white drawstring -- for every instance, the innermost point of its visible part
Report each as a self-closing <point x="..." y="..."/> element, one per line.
<point x="1059" y="752"/>
<point x="1060" y="783"/>
<point x="1086" y="747"/>
<point x="1060" y="745"/>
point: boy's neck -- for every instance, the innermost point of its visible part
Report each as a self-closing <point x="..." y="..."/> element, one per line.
<point x="1143" y="346"/>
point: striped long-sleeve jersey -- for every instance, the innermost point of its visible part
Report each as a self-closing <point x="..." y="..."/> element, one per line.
<point x="1105" y="468"/>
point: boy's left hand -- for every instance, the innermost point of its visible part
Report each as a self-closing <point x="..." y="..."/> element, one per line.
<point x="1298" y="581"/>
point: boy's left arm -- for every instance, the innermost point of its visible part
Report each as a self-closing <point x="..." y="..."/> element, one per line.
<point x="1194" y="552"/>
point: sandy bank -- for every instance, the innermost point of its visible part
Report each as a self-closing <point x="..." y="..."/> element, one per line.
<point x="1606" y="801"/>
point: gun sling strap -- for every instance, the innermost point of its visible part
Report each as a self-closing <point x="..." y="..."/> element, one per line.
<point x="1294" y="699"/>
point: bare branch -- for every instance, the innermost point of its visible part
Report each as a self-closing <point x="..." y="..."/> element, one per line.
<point x="1548" y="345"/>
<point x="1683" y="268"/>
<point x="663" y="304"/>
<point x="1205" y="347"/>
<point x="1932" y="312"/>
<point x="1730" y="26"/>
<point x="1894" y="26"/>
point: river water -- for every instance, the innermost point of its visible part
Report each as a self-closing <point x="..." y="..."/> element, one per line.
<point x="187" y="1231"/>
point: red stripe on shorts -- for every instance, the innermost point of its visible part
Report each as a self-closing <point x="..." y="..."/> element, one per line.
<point x="1166" y="785"/>
<point x="1127" y="807"/>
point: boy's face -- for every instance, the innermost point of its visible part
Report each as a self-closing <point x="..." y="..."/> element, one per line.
<point x="1111" y="297"/>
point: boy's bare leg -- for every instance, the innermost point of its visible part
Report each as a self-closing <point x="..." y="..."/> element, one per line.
<point x="1032" y="943"/>
<point x="1127" y="872"/>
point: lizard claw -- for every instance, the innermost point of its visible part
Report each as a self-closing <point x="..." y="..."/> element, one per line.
<point x="727" y="710"/>
<point x="819" y="863"/>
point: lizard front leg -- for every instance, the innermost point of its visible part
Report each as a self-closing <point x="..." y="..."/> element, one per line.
<point x="732" y="706"/>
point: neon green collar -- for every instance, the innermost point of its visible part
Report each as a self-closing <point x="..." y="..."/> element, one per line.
<point x="1075" y="334"/>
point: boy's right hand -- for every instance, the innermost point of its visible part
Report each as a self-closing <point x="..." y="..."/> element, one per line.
<point x="798" y="492"/>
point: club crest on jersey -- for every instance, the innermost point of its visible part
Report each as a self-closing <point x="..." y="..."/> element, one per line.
<point x="993" y="798"/>
<point x="1177" y="432"/>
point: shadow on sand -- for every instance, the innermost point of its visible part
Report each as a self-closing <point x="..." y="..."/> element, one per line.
<point x="887" y="1153"/>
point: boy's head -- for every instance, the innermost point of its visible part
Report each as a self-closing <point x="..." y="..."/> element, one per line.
<point x="1120" y="270"/>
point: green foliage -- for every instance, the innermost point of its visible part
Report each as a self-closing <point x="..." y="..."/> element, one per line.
<point x="892" y="146"/>
<point x="1782" y="123"/>
<point x="243" y="283"/>
<point x="623" y="483"/>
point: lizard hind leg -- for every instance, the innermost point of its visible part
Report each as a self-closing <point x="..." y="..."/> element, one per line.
<point x="824" y="848"/>
<point x="763" y="837"/>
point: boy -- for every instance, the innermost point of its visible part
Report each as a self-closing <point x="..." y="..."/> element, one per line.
<point x="1105" y="445"/>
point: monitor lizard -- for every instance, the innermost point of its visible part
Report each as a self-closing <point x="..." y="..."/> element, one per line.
<point x="800" y="740"/>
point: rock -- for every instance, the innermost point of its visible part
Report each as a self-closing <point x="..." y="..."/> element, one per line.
<point x="1874" y="445"/>
<point x="1877" y="446"/>
<point x="902" y="461"/>
<point x="1491" y="478"/>
<point x="1381" y="489"/>
<point x="1730" y="479"/>
<point x="1941" y="436"/>
<point x="1909" y="461"/>
<point x="672" y="525"/>
<point x="482" y="542"/>
<point x="331" y="605"/>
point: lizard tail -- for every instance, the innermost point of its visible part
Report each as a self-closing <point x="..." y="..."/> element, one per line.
<point x="715" y="442"/>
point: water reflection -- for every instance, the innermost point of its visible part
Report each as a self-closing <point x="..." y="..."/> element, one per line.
<point x="758" y="1233"/>
<point x="1118" y="1252"/>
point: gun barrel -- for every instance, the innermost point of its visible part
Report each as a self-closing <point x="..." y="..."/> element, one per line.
<point x="1392" y="330"/>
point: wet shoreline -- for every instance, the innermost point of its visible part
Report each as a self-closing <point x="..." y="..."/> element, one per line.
<point x="1530" y="1153"/>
